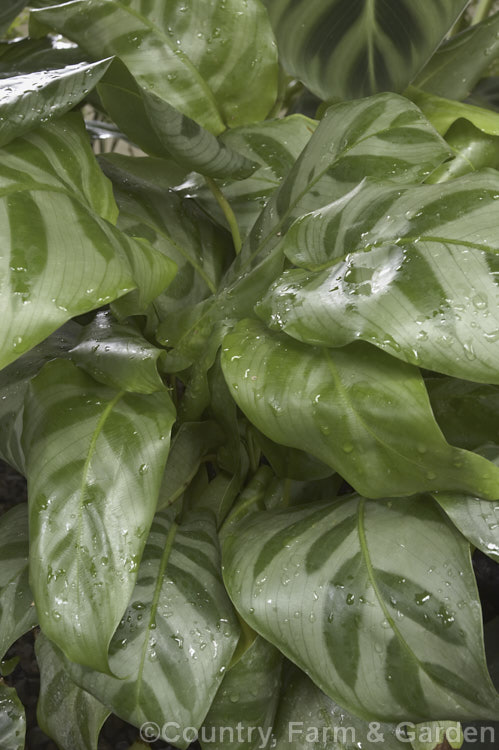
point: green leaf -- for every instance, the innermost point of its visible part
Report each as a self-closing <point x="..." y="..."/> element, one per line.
<point x="14" y="382"/>
<point x="290" y="463"/>
<point x="12" y="719"/>
<point x="442" y="113"/>
<point x="192" y="55"/>
<point x="473" y="150"/>
<point x="376" y="601"/>
<point x="468" y="413"/>
<point x="431" y="735"/>
<point x="177" y="635"/>
<point x="8" y="12"/>
<point x="149" y="208"/>
<point x="345" y="49"/>
<point x="308" y="720"/>
<point x="32" y="55"/>
<point x="117" y="355"/>
<point x="193" y="442"/>
<point x="95" y="458"/>
<point x="458" y="64"/>
<point x="247" y="698"/>
<point x="28" y="100"/>
<point x="274" y="145"/>
<point x="476" y="519"/>
<point x="348" y="407"/>
<point x="47" y="174"/>
<point x="70" y="716"/>
<point x="162" y="130"/>
<point x="411" y="270"/>
<point x="17" y="610"/>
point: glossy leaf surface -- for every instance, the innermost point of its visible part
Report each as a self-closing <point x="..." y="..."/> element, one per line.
<point x="65" y="712"/>
<point x="177" y="635"/>
<point x="348" y="407"/>
<point x="95" y="457"/>
<point x="473" y="150"/>
<point x="28" y="100"/>
<point x="343" y="49"/>
<point x="411" y="270"/>
<point x="193" y="55"/>
<point x="17" y="610"/>
<point x="12" y="719"/>
<point x="376" y="601"/>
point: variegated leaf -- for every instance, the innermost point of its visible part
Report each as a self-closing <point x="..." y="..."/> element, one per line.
<point x="348" y="407"/>
<point x="376" y="601"/>
<point x="14" y="382"/>
<point x="28" y="100"/>
<point x="177" y="635"/>
<point x="343" y="49"/>
<point x="17" y="609"/>
<point x="192" y="54"/>
<point x="308" y="720"/>
<point x="49" y="173"/>
<point x="69" y="715"/>
<point x="411" y="270"/>
<point x="244" y="708"/>
<point x="12" y="719"/>
<point x="95" y="457"/>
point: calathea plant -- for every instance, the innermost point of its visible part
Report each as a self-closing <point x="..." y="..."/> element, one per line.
<point x="250" y="372"/>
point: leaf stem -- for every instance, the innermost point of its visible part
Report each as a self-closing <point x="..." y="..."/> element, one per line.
<point x="228" y="213"/>
<point x="482" y="11"/>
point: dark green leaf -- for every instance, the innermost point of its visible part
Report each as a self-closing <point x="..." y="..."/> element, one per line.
<point x="351" y="48"/>
<point x="12" y="719"/>
<point x="17" y="609"/>
<point x="8" y="12"/>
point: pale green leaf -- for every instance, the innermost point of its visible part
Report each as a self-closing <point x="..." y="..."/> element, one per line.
<point x="17" y="609"/>
<point x="376" y="601"/>
<point x="69" y="715"/>
<point x="473" y="150"/>
<point x="411" y="270"/>
<point x="178" y="634"/>
<point x="351" y="48"/>
<point x="95" y="457"/>
<point x="192" y="54"/>
<point x="443" y="112"/>
<point x="12" y="719"/>
<point x="348" y="407"/>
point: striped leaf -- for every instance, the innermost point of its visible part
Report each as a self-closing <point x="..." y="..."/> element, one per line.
<point x="476" y="519"/>
<point x="308" y="720"/>
<point x="376" y="601"/>
<point x="274" y="145"/>
<point x="69" y="715"/>
<point x="12" y="719"/>
<point x="162" y="130"/>
<point x="95" y="457"/>
<point x="468" y="413"/>
<point x="150" y="208"/>
<point x="14" y="382"/>
<point x="247" y="698"/>
<point x="8" y="12"/>
<point x="28" y="100"/>
<point x="345" y="49"/>
<point x="458" y="65"/>
<point x="411" y="270"/>
<point x="380" y="136"/>
<point x="177" y="635"/>
<point x="117" y="355"/>
<point x="349" y="407"/>
<point x="192" y="54"/>
<point x="17" y="611"/>
<point x="47" y="174"/>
